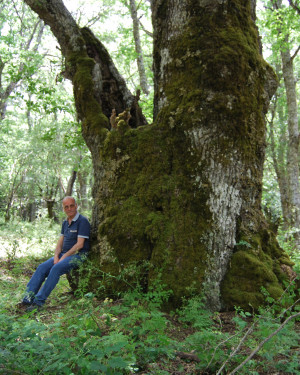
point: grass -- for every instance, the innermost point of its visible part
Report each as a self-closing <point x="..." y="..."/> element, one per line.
<point x="79" y="334"/>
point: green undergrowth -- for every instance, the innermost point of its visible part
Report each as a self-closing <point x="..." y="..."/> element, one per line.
<point x="22" y="238"/>
<point x="79" y="334"/>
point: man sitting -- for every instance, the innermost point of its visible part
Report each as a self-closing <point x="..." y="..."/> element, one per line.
<point x="71" y="249"/>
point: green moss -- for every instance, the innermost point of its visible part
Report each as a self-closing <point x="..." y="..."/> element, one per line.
<point x="149" y="213"/>
<point x="86" y="103"/>
<point x="152" y="208"/>
<point x="80" y="67"/>
<point x="245" y="278"/>
<point x="223" y="55"/>
<point x="255" y="263"/>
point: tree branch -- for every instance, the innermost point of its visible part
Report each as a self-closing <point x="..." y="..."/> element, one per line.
<point x="294" y="6"/>
<point x="221" y="343"/>
<point x="249" y="330"/>
<point x="263" y="342"/>
<point x="189" y="356"/>
<point x="295" y="54"/>
<point x="145" y="30"/>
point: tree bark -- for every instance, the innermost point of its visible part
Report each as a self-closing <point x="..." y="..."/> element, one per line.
<point x="50" y="205"/>
<point x="180" y="201"/>
<point x="224" y="129"/>
<point x="71" y="183"/>
<point x="138" y="47"/>
<point x="278" y="154"/>
<point x="293" y="146"/>
<point x="82" y="190"/>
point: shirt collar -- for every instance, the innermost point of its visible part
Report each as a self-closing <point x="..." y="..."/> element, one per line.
<point x="75" y="217"/>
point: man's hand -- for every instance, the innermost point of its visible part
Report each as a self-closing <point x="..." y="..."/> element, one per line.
<point x="56" y="259"/>
<point x="62" y="258"/>
<point x="58" y="249"/>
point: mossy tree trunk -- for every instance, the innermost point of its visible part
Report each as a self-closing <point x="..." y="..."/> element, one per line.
<point x="180" y="199"/>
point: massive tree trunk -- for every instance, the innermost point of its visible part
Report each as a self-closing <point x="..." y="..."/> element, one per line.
<point x="179" y="200"/>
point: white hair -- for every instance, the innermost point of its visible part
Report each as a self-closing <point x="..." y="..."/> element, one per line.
<point x="69" y="197"/>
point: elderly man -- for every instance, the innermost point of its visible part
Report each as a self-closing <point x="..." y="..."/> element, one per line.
<point x="71" y="249"/>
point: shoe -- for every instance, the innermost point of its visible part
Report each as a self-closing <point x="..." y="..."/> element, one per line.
<point x="34" y="308"/>
<point x="22" y="305"/>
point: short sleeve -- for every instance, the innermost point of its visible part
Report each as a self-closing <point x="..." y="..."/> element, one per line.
<point x="84" y="228"/>
<point x="62" y="232"/>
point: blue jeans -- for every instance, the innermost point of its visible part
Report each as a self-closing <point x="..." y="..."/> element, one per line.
<point x="51" y="272"/>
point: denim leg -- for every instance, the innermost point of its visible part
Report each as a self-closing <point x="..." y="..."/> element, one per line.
<point x="37" y="280"/>
<point x="56" y="271"/>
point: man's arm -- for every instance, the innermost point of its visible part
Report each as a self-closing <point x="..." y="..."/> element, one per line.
<point x="78" y="246"/>
<point x="58" y="249"/>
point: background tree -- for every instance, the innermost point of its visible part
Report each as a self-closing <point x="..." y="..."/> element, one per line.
<point x="39" y="146"/>
<point x="21" y="34"/>
<point x="281" y="38"/>
<point x="138" y="47"/>
<point x="41" y="93"/>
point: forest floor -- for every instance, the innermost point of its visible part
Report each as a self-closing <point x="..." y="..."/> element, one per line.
<point x="14" y="275"/>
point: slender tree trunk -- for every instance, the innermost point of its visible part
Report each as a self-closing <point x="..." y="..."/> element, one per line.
<point x="8" y="208"/>
<point x="49" y="198"/>
<point x="31" y="209"/>
<point x="17" y="179"/>
<point x="279" y="163"/>
<point x="293" y="146"/>
<point x="71" y="183"/>
<point x="50" y="208"/>
<point x="29" y="118"/>
<point x="138" y="47"/>
<point x="82" y="180"/>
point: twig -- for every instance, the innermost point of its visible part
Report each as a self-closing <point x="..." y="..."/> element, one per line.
<point x="191" y="357"/>
<point x="13" y="372"/>
<point x="221" y="343"/>
<point x="249" y="330"/>
<point x="289" y="308"/>
<point x="263" y="342"/>
<point x="95" y="320"/>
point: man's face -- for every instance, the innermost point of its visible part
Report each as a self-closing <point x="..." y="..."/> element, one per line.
<point x="70" y="208"/>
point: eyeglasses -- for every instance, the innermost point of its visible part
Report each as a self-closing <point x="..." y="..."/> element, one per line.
<point x="71" y="206"/>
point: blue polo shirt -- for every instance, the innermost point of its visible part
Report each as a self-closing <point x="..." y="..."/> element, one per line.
<point x="79" y="227"/>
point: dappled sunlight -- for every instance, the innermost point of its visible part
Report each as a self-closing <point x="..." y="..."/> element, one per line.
<point x="5" y="277"/>
<point x="19" y="238"/>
